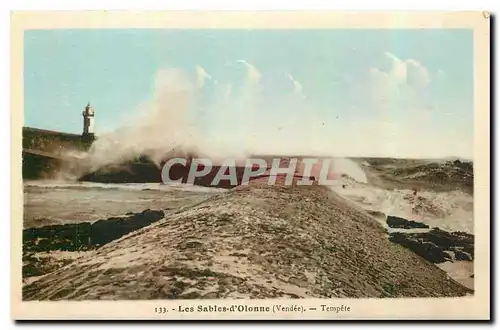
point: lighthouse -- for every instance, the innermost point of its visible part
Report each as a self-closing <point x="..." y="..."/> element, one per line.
<point x="88" y="122"/>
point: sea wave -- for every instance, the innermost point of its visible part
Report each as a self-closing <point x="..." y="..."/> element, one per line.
<point x="55" y="184"/>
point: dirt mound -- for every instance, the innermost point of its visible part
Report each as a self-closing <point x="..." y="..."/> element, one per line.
<point x="252" y="242"/>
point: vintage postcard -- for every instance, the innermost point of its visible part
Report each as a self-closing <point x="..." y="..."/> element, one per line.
<point x="250" y="165"/>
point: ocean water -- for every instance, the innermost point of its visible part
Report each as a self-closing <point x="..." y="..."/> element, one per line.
<point x="452" y="210"/>
<point x="53" y="202"/>
<point x="59" y="202"/>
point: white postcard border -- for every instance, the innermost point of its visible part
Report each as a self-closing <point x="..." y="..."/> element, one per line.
<point x="473" y="307"/>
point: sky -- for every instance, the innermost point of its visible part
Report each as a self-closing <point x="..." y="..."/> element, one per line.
<point x="387" y="92"/>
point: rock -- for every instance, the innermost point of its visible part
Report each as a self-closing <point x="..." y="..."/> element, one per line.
<point x="452" y="241"/>
<point x="397" y="222"/>
<point x="34" y="265"/>
<point x="437" y="245"/>
<point x="427" y="250"/>
<point x="460" y="255"/>
<point x="86" y="235"/>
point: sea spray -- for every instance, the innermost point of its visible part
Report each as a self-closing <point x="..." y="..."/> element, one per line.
<point x="182" y="120"/>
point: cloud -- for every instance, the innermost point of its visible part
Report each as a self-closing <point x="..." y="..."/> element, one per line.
<point x="399" y="80"/>
<point x="296" y="85"/>
<point x="382" y="86"/>
<point x="408" y="71"/>
<point x="201" y="76"/>
<point x="399" y="70"/>
<point x="252" y="73"/>
<point x="417" y="75"/>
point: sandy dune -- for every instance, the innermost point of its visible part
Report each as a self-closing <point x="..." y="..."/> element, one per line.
<point x="252" y="242"/>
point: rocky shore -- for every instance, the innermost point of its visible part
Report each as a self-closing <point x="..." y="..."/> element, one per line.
<point x="254" y="241"/>
<point x="398" y="222"/>
<point x="452" y="251"/>
<point x="437" y="245"/>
